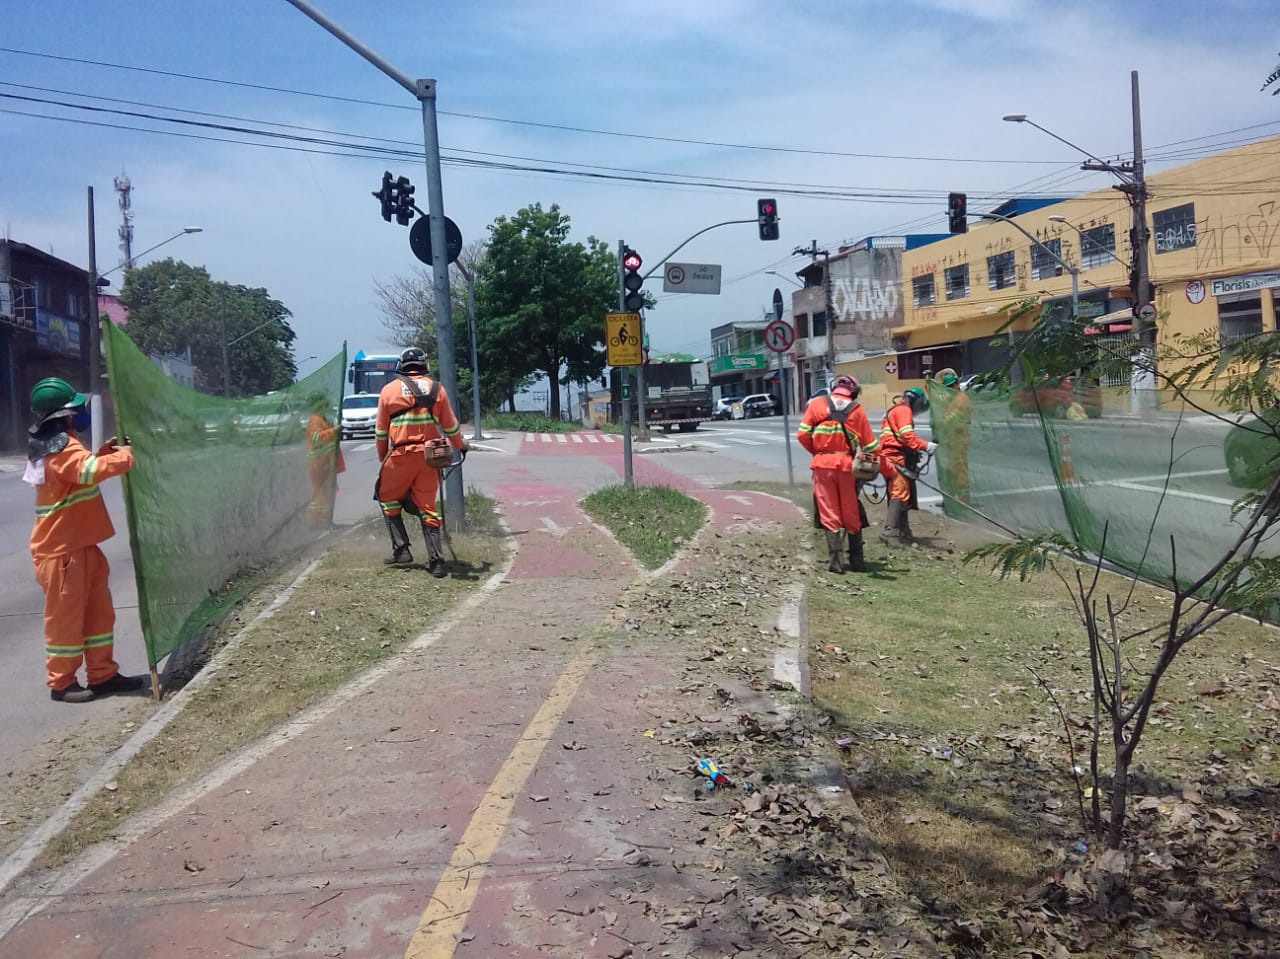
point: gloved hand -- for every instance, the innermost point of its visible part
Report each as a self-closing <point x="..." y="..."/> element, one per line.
<point x="465" y="447"/>
<point x="931" y="448"/>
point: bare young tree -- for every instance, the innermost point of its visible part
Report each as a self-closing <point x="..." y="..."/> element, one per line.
<point x="1244" y="578"/>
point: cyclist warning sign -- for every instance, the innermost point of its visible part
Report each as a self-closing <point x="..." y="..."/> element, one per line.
<point x="622" y="339"/>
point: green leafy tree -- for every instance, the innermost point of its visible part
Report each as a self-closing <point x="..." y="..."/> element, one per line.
<point x="175" y="307"/>
<point x="407" y="302"/>
<point x="541" y="299"/>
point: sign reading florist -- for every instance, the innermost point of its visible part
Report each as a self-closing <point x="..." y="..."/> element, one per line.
<point x="1243" y="284"/>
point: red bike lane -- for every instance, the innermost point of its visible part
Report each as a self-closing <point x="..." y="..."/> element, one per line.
<point x="491" y="791"/>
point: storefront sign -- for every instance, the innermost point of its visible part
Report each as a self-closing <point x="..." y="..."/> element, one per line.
<point x="737" y="361"/>
<point x="57" y="333"/>
<point x="1243" y="284"/>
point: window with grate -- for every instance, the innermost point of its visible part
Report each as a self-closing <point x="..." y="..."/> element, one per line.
<point x="1044" y="259"/>
<point x="957" y="280"/>
<point x="1097" y="246"/>
<point x="1239" y="316"/>
<point x="1174" y="228"/>
<point x="922" y="290"/>
<point x="1001" y="271"/>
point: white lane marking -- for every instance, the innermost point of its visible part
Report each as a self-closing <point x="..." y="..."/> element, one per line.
<point x="592" y="438"/>
<point x="744" y="500"/>
<point x="561" y="438"/>
<point x="576" y="438"/>
<point x="549" y="526"/>
<point x="1143" y="488"/>
<point x="545" y="437"/>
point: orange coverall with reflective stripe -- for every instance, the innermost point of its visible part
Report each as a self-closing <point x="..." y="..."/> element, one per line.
<point x="401" y="444"/>
<point x="324" y="463"/>
<point x="827" y="441"/>
<point x="898" y="420"/>
<point x="71" y="520"/>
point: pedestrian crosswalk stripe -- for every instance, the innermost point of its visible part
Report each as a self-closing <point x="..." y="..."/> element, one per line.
<point x="591" y="438"/>
<point x="546" y="437"/>
<point x="561" y="438"/>
<point x="576" y="438"/>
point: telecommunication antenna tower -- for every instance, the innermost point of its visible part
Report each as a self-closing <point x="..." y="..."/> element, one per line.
<point x="125" y="189"/>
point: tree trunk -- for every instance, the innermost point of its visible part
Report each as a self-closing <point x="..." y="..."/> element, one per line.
<point x="553" y="374"/>
<point x="1119" y="800"/>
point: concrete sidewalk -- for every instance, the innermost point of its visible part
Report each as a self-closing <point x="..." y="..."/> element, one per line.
<point x="501" y="788"/>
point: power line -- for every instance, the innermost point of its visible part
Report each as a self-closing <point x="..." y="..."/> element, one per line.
<point x="686" y="141"/>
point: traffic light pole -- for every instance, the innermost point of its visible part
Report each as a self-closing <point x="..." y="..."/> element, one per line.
<point x="425" y="92"/>
<point x="624" y="378"/>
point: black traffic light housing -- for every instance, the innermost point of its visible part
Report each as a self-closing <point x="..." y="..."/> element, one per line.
<point x="958" y="212"/>
<point x="387" y="197"/>
<point x="767" y="218"/>
<point x="632" y="281"/>
<point x="404" y="200"/>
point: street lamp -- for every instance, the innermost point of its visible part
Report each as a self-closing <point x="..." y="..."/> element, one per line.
<point x="1059" y="218"/>
<point x="1134" y="186"/>
<point x="185" y="231"/>
<point x="1074" y="271"/>
<point x="789" y="279"/>
<point x="226" y="348"/>
<point x="94" y="324"/>
<point x="475" y="357"/>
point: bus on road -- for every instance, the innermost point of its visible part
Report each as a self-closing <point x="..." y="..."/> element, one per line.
<point x="369" y="374"/>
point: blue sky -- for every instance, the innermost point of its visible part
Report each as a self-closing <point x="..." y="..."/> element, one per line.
<point x="761" y="98"/>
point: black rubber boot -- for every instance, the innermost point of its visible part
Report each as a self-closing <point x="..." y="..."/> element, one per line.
<point x="435" y="555"/>
<point x="400" y="552"/>
<point x="892" y="532"/>
<point x="835" y="563"/>
<point x="904" y="525"/>
<point x="857" y="559"/>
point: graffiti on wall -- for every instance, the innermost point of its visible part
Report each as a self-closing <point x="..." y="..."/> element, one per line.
<point x="1221" y="241"/>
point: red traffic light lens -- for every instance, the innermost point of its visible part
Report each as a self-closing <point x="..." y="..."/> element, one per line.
<point x="631" y="260"/>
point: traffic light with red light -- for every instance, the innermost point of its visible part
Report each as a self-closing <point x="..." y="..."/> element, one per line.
<point x="958" y="212"/>
<point x="387" y="197"/>
<point x="632" y="281"/>
<point x="767" y="218"/>
<point x="404" y="200"/>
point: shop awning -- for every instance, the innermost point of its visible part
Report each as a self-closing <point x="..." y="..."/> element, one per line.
<point x="1121" y="321"/>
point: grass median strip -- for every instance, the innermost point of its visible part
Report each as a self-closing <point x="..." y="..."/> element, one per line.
<point x="651" y="521"/>
<point x="960" y="762"/>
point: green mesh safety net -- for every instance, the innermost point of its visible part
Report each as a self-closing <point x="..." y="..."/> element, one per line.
<point x="220" y="487"/>
<point x="1143" y="490"/>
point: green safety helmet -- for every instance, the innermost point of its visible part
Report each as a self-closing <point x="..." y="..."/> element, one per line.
<point x="948" y="377"/>
<point x="915" y="398"/>
<point x="53" y="395"/>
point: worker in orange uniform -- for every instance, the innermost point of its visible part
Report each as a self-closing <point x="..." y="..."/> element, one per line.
<point x="832" y="428"/>
<point x="900" y="449"/>
<point x="71" y="520"/>
<point x="412" y="410"/>
<point x="324" y="463"/>
<point x="953" y="431"/>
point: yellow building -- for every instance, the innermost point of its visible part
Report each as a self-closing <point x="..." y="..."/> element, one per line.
<point x="1214" y="259"/>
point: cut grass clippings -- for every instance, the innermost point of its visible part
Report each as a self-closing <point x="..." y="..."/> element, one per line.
<point x="961" y="765"/>
<point x="351" y="613"/>
<point x="651" y="521"/>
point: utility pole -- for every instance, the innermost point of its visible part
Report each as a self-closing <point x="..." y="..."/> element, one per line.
<point x="470" y="277"/>
<point x="812" y="251"/>
<point x="1134" y="185"/>
<point x="95" y="342"/>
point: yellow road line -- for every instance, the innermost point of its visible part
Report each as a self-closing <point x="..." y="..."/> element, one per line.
<point x="436" y="936"/>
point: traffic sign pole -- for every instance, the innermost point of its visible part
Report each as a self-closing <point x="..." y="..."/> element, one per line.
<point x="778" y="336"/>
